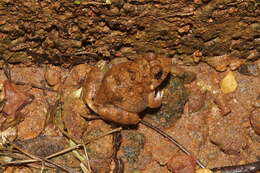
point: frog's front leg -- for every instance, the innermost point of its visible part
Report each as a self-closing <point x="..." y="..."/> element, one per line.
<point x="155" y="99"/>
<point x="118" y="115"/>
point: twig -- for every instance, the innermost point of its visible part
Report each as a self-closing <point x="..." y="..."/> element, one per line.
<point x="36" y="86"/>
<point x="182" y="148"/>
<point x="8" y="75"/>
<point x="13" y="155"/>
<point x="63" y="151"/>
<point x="104" y="134"/>
<point x="41" y="159"/>
<point x="48" y="157"/>
<point x="119" y="164"/>
<point x="246" y="168"/>
<point x="86" y="153"/>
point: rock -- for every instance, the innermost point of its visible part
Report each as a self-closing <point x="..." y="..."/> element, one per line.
<point x="222" y="104"/>
<point x="219" y="63"/>
<point x="229" y="137"/>
<point x="196" y="101"/>
<point x="256" y="102"/>
<point x="182" y="164"/>
<point x="22" y="170"/>
<point x="249" y="69"/>
<point x="228" y="84"/>
<point x="132" y="144"/>
<point x="52" y="75"/>
<point x="15" y="98"/>
<point x="255" y="120"/>
<point x="203" y="170"/>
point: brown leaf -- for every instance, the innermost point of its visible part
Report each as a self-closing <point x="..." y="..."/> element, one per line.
<point x="15" y="99"/>
<point x="42" y="146"/>
<point x="11" y="121"/>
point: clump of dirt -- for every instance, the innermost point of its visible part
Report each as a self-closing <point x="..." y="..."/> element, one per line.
<point x="73" y="32"/>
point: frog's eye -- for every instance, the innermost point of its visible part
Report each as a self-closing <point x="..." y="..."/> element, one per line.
<point x="158" y="75"/>
<point x="156" y="72"/>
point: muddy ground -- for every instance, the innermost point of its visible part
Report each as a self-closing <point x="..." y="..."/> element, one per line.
<point x="44" y="41"/>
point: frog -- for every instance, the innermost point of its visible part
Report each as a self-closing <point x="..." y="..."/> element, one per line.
<point x="121" y="92"/>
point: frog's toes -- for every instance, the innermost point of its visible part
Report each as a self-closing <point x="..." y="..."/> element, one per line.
<point x="155" y="99"/>
<point x="159" y="95"/>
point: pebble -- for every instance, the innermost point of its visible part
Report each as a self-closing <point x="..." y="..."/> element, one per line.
<point x="52" y="76"/>
<point x="228" y="84"/>
<point x="203" y="170"/>
<point x="249" y="69"/>
<point x="182" y="164"/>
<point x="229" y="136"/>
<point x="255" y="120"/>
<point x="196" y="101"/>
<point x="222" y="104"/>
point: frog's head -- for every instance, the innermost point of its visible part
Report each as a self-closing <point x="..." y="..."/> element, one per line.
<point x="159" y="69"/>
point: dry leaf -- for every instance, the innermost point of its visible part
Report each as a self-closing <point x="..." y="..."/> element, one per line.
<point x="15" y="99"/>
<point x="43" y="146"/>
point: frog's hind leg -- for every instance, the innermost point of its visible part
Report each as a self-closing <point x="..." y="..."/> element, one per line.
<point x="117" y="115"/>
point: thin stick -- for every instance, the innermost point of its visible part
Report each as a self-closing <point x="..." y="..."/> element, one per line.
<point x="182" y="148"/>
<point x="41" y="159"/>
<point x="105" y="134"/>
<point x="65" y="150"/>
<point x="8" y="75"/>
<point x="248" y="168"/>
<point x="86" y="153"/>
<point x="36" y="86"/>
<point x="48" y="157"/>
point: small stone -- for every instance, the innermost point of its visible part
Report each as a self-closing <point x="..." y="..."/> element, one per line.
<point x="255" y="120"/>
<point x="8" y="135"/>
<point x="219" y="63"/>
<point x="182" y="164"/>
<point x="229" y="137"/>
<point x="222" y="104"/>
<point x="127" y="51"/>
<point x="203" y="170"/>
<point x="52" y="76"/>
<point x="22" y="170"/>
<point x="196" y="101"/>
<point x="235" y="63"/>
<point x="184" y="29"/>
<point x="228" y="84"/>
<point x="249" y="69"/>
<point x="253" y="55"/>
<point x="118" y="3"/>
<point x="2" y="21"/>
<point x="114" y="11"/>
<point x="256" y="102"/>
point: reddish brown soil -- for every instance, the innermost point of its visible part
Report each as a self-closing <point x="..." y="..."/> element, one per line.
<point x="44" y="40"/>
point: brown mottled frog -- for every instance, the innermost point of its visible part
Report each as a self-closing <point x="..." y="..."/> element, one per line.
<point x="127" y="88"/>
